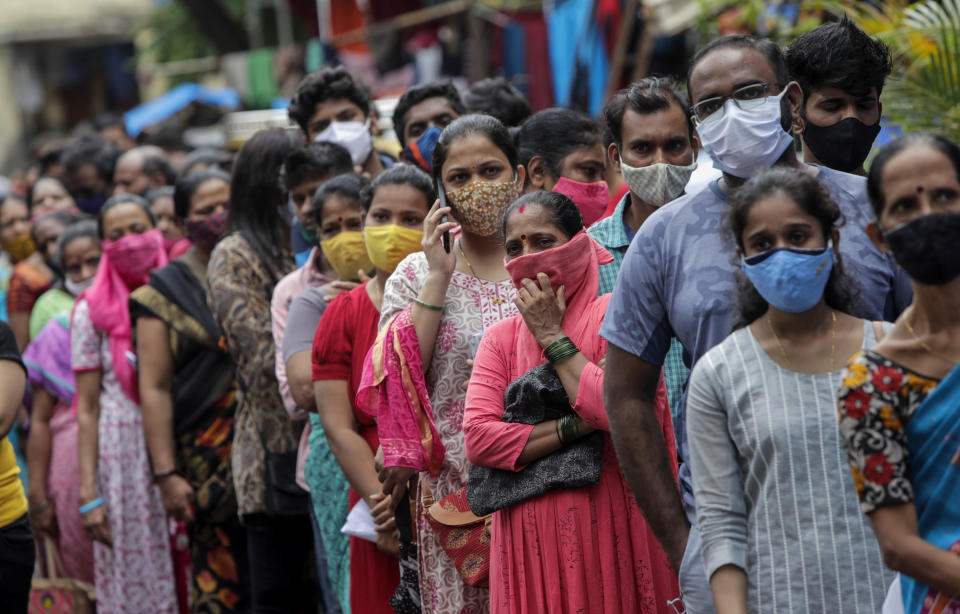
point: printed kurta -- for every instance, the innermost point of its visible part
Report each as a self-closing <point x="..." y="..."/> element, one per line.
<point x="470" y="306"/>
<point x="572" y="550"/>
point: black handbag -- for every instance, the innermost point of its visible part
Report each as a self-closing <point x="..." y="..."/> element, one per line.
<point x="536" y="396"/>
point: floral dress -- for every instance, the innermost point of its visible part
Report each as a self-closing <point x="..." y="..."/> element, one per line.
<point x="136" y="574"/>
<point x="470" y="307"/>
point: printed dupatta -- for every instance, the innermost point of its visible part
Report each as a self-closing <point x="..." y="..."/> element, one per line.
<point x="393" y="390"/>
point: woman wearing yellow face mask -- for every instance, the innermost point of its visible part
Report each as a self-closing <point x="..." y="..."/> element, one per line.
<point x="338" y="212"/>
<point x="396" y="204"/>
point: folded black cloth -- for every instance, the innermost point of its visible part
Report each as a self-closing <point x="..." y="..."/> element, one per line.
<point x="535" y="397"/>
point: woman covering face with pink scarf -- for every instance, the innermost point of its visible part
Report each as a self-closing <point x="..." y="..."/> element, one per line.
<point x="535" y="422"/>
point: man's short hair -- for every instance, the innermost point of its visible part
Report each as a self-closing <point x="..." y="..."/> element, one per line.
<point x="156" y="162"/>
<point x="327" y="83"/>
<point x="499" y="98"/>
<point x="416" y="95"/>
<point x="839" y="55"/>
<point x="768" y="48"/>
<point x="315" y="160"/>
<point x="648" y="95"/>
<point x="108" y="119"/>
<point x="90" y="149"/>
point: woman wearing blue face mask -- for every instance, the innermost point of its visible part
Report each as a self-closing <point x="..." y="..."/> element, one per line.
<point x="779" y="528"/>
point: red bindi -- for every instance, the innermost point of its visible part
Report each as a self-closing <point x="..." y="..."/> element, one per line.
<point x="520" y="209"/>
<point x="523" y="237"/>
<point x="339" y="219"/>
<point x="919" y="189"/>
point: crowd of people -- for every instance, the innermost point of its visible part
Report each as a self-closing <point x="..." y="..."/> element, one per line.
<point x="528" y="366"/>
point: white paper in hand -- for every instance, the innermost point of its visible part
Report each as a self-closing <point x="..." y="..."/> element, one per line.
<point x="894" y="602"/>
<point x="360" y="522"/>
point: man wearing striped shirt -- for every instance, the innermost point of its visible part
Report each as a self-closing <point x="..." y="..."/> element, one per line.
<point x="650" y="124"/>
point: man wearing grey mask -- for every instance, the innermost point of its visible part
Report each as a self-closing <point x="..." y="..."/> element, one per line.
<point x="679" y="278"/>
<point x="655" y="149"/>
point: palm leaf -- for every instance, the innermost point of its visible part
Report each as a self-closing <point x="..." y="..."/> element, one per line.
<point x="924" y="91"/>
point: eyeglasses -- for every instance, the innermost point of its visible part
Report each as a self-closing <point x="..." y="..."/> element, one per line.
<point x="747" y="97"/>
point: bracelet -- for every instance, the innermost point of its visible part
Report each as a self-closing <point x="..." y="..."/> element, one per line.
<point x="163" y="474"/>
<point x="41" y="508"/>
<point x="570" y="428"/>
<point x="560" y="349"/>
<point x="556" y="426"/>
<point x="427" y="305"/>
<point x="91" y="506"/>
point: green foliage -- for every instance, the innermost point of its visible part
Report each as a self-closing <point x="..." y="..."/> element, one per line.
<point x="756" y="17"/>
<point x="923" y="93"/>
<point x="927" y="96"/>
<point x="176" y="35"/>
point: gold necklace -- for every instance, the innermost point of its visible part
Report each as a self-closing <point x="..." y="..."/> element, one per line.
<point x="833" y="343"/>
<point x="923" y="344"/>
<point x="496" y="300"/>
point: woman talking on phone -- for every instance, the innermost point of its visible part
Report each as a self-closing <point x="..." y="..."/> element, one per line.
<point x="437" y="303"/>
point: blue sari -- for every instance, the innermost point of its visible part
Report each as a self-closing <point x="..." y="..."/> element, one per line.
<point x="933" y="440"/>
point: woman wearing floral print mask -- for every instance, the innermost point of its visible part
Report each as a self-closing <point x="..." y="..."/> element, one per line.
<point x="480" y="180"/>
<point x="438" y="300"/>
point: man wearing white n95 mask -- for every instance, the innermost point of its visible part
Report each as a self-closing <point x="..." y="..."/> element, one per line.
<point x="679" y="278"/>
<point x="330" y="105"/>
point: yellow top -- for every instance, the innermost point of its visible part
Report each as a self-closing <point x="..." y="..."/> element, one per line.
<point x="13" y="501"/>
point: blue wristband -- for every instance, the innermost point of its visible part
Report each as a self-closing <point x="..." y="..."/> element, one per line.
<point x="91" y="506"/>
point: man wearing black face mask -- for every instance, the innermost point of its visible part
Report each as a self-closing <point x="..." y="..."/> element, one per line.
<point x="88" y="163"/>
<point x="841" y="71"/>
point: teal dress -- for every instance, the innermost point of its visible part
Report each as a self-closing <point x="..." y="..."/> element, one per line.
<point x="329" y="492"/>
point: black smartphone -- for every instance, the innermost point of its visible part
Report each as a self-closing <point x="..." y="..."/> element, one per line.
<point x="442" y="195"/>
<point x="404" y="519"/>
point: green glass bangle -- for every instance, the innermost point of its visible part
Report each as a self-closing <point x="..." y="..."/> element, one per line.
<point x="556" y="426"/>
<point x="426" y="305"/>
<point x="569" y="428"/>
<point x="560" y="349"/>
<point x="553" y="346"/>
<point x="565" y="354"/>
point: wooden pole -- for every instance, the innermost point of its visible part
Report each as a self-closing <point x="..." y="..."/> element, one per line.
<point x="641" y="66"/>
<point x="405" y="20"/>
<point x="477" y="56"/>
<point x="618" y="59"/>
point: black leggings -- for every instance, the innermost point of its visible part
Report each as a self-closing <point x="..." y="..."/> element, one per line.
<point x="17" y="557"/>
<point x="282" y="570"/>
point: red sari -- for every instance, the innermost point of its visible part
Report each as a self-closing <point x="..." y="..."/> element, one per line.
<point x="575" y="550"/>
<point x="347" y="330"/>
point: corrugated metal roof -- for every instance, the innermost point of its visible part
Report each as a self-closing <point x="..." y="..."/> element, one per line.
<point x="40" y="20"/>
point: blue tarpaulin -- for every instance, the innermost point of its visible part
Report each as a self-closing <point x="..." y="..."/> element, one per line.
<point x="165" y="106"/>
<point x="576" y="44"/>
